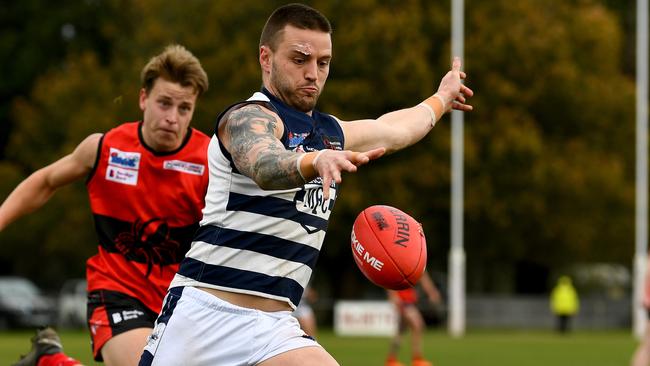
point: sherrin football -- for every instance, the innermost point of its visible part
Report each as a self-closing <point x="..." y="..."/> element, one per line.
<point x="389" y="247"/>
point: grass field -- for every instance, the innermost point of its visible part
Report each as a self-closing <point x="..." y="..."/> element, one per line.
<point x="476" y="348"/>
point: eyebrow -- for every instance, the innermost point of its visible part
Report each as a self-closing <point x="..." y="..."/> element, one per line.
<point x="306" y="54"/>
<point x="169" y="98"/>
<point x="301" y="52"/>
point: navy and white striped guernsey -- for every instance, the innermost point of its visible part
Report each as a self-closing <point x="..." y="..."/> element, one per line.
<point x="262" y="242"/>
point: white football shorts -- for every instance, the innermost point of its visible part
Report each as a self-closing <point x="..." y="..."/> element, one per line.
<point x="197" y="328"/>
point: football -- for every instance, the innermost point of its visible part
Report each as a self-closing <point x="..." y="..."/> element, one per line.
<point x="389" y="247"/>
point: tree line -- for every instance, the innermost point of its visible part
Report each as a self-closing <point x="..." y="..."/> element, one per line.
<point x="549" y="149"/>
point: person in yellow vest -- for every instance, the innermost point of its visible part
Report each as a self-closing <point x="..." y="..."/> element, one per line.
<point x="564" y="303"/>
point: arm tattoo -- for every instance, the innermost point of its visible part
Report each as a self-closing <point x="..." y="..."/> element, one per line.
<point x="256" y="151"/>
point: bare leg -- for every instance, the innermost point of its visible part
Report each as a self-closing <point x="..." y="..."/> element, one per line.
<point x="396" y="342"/>
<point x="415" y="321"/>
<point x="125" y="349"/>
<point x="642" y="354"/>
<point x="305" y="356"/>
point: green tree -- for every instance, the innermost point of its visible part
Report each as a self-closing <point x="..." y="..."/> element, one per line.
<point x="549" y="172"/>
<point x="549" y="147"/>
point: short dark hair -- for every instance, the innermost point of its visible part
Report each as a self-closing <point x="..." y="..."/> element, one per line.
<point x="297" y="15"/>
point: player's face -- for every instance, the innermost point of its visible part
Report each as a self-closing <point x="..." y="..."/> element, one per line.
<point x="167" y="110"/>
<point x="300" y="66"/>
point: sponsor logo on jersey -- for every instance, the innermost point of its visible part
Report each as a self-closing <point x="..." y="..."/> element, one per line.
<point x="332" y="142"/>
<point x="123" y="166"/>
<point x="124" y="159"/>
<point x="184" y="166"/>
<point x="121" y="175"/>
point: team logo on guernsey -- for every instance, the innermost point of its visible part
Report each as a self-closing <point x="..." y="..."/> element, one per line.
<point x="123" y="166"/>
<point x="296" y="139"/>
<point x="150" y="242"/>
<point x="310" y="200"/>
<point x="184" y="166"/>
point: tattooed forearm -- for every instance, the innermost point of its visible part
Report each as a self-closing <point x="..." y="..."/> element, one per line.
<point x="256" y="151"/>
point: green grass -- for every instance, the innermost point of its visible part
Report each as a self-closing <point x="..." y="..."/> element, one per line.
<point x="476" y="348"/>
<point x="496" y="348"/>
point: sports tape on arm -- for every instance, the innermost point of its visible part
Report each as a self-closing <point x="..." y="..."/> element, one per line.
<point x="306" y="164"/>
<point x="436" y="107"/>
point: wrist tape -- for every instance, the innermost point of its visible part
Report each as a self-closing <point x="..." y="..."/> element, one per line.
<point x="306" y="164"/>
<point x="436" y="107"/>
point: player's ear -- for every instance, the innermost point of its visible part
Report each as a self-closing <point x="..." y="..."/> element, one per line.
<point x="265" y="58"/>
<point x="143" y="98"/>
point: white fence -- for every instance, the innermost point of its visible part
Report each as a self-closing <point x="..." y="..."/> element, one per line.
<point x="378" y="318"/>
<point x="534" y="312"/>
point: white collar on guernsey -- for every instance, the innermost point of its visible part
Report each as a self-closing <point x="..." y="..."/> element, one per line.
<point x="259" y="97"/>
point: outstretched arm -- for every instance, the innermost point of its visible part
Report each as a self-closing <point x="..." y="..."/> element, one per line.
<point x="399" y="129"/>
<point x="38" y="188"/>
<point x="430" y="288"/>
<point x="393" y="297"/>
<point x="252" y="136"/>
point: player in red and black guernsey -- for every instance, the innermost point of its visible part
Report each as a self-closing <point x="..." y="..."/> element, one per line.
<point x="410" y="317"/>
<point x="146" y="182"/>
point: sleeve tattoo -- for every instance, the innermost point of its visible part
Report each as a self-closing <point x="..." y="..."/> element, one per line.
<point x="256" y="151"/>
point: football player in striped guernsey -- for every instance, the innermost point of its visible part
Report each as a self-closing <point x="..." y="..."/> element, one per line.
<point x="275" y="166"/>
